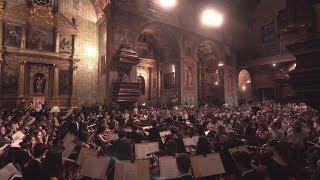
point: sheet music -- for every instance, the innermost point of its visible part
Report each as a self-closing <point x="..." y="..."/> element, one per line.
<point x="68" y="149"/>
<point x="190" y="141"/>
<point x="68" y="139"/>
<point x="17" y="138"/>
<point x="147" y="127"/>
<point x="206" y="132"/>
<point x="168" y="168"/>
<point x="9" y="172"/>
<point x="207" y="166"/>
<point x="95" y="167"/>
<point x="84" y="152"/>
<point x="143" y="149"/>
<point x="130" y="171"/>
<point x="111" y="136"/>
<point x="163" y="135"/>
<point x="3" y="147"/>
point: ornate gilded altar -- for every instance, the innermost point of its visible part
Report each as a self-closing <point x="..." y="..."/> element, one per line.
<point x="37" y="55"/>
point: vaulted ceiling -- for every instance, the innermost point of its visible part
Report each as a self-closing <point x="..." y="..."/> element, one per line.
<point x="240" y="9"/>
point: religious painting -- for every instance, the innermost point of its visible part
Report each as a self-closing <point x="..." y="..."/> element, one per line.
<point x="40" y="39"/>
<point x="39" y="83"/>
<point x="103" y="65"/>
<point x="13" y="35"/>
<point x="188" y="77"/>
<point x="10" y="80"/>
<point x="169" y="81"/>
<point x="64" y="82"/>
<point x="65" y="44"/>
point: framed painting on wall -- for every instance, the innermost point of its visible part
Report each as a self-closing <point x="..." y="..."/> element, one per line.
<point x="10" y="80"/>
<point x="65" y="44"/>
<point x="169" y="81"/>
<point x="40" y="39"/>
<point x="64" y="82"/>
<point x="12" y="35"/>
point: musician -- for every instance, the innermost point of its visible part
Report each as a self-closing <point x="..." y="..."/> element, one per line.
<point x="184" y="165"/>
<point x="247" y="172"/>
<point x="203" y="146"/>
<point x="35" y="169"/>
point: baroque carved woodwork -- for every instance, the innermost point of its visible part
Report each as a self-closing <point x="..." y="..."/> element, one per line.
<point x="39" y="59"/>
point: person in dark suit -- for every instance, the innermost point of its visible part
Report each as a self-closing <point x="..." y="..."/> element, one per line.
<point x="35" y="169"/>
<point x="184" y="164"/>
<point x="243" y="161"/>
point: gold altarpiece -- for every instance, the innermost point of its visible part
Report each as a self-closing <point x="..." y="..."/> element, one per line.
<point x="37" y="62"/>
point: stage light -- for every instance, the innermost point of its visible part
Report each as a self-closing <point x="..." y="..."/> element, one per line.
<point x="216" y="83"/>
<point x="211" y="18"/>
<point x="220" y="64"/>
<point x="249" y="81"/>
<point x="168" y="3"/>
<point x="274" y="65"/>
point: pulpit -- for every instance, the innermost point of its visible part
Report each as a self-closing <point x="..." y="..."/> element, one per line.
<point x="126" y="91"/>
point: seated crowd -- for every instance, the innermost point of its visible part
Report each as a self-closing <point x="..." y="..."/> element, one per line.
<point x="283" y="140"/>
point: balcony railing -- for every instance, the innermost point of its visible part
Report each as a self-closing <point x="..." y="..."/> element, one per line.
<point x="273" y="49"/>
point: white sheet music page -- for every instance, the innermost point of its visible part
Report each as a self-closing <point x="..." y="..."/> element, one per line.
<point x="68" y="139"/>
<point x="84" y="152"/>
<point x="68" y="150"/>
<point x="143" y="149"/>
<point x="95" y="167"/>
<point x="17" y="138"/>
<point x="9" y="171"/>
<point x="190" y="141"/>
<point x="208" y="166"/>
<point x="168" y="168"/>
<point x="130" y="171"/>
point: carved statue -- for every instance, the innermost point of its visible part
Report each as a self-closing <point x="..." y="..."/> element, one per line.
<point x="39" y="84"/>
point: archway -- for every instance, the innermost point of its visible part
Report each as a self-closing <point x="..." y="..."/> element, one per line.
<point x="244" y="86"/>
<point x="159" y="45"/>
<point x="210" y="77"/>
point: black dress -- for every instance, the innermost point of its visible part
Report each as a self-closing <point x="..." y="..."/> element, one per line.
<point x="278" y="171"/>
<point x="34" y="171"/>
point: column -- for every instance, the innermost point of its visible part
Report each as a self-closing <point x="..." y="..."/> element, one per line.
<point x="55" y="81"/>
<point x="133" y="74"/>
<point x="57" y="48"/>
<point x="23" y="38"/>
<point x="21" y="78"/>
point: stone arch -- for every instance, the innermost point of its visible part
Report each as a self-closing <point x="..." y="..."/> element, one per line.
<point x="155" y="41"/>
<point x="210" y="55"/>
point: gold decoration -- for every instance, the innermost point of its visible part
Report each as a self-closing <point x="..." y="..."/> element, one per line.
<point x="41" y="15"/>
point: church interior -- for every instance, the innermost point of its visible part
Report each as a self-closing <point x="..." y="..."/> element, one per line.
<point x="102" y="75"/>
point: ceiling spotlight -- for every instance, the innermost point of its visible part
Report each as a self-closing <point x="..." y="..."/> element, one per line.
<point x="216" y="83"/>
<point x="168" y="3"/>
<point x="211" y="18"/>
<point x="249" y="81"/>
<point x="274" y="65"/>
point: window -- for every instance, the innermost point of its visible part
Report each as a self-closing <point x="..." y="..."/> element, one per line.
<point x="267" y="32"/>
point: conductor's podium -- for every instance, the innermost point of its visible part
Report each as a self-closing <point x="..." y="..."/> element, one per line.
<point x="126" y="93"/>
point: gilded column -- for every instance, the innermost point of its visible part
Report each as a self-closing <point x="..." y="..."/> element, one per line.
<point x="23" y="38"/>
<point x="21" y="78"/>
<point x="55" y="81"/>
<point x="57" y="42"/>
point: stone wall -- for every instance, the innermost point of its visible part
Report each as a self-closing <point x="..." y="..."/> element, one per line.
<point x="86" y="48"/>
